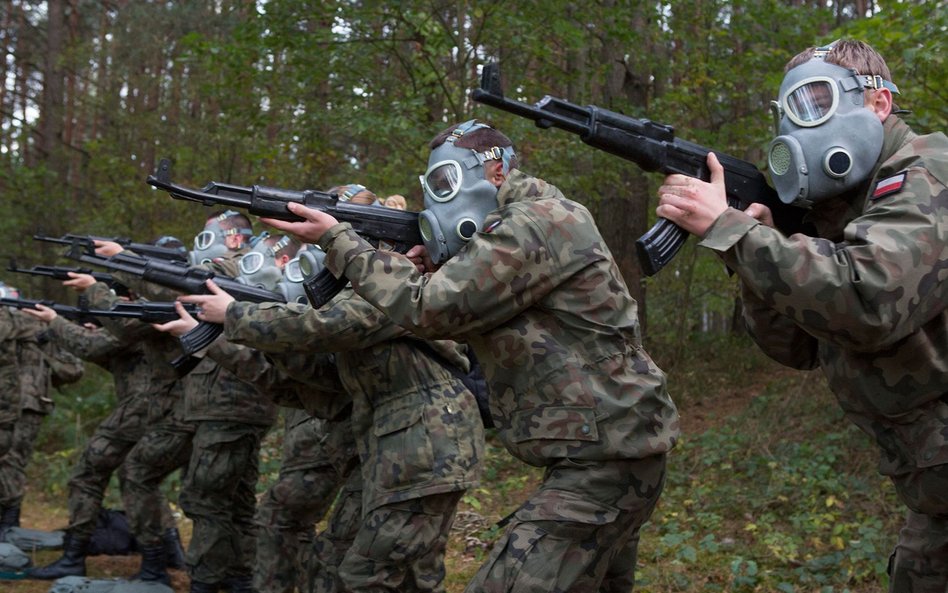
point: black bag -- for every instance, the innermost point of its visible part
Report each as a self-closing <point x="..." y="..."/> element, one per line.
<point x="112" y="535"/>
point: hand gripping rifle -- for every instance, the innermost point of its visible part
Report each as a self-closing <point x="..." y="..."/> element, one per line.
<point x="653" y="147"/>
<point x="87" y="242"/>
<point x="186" y="280"/>
<point x="145" y="312"/>
<point x="62" y="273"/>
<point x="391" y="229"/>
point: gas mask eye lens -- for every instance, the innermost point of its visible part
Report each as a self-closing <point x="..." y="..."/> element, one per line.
<point x="204" y="240"/>
<point x="442" y="181"/>
<point x="293" y="270"/>
<point x="812" y="101"/>
<point x="251" y="263"/>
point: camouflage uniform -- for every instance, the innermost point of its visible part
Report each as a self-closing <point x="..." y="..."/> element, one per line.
<point x="417" y="428"/>
<point x="539" y="298"/>
<point x="866" y="302"/>
<point x="9" y="378"/>
<point x="42" y="364"/>
<point x="143" y="391"/>
<point x="318" y="455"/>
<point x="229" y="419"/>
<point x="146" y="388"/>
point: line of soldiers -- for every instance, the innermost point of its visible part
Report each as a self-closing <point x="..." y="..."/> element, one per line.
<point x="516" y="276"/>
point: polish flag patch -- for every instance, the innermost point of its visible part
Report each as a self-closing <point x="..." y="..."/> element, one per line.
<point x="492" y="226"/>
<point x="889" y="186"/>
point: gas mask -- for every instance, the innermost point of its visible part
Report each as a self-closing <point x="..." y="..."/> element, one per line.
<point x="457" y="195"/>
<point x="258" y="268"/>
<point x="211" y="244"/>
<point x="827" y="140"/>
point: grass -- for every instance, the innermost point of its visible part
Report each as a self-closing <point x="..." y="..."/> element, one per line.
<point x="769" y="490"/>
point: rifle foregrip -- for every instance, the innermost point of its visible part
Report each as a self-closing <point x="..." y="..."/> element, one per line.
<point x="659" y="245"/>
<point x="200" y="337"/>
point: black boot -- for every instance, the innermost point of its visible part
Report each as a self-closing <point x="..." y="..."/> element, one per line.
<point x="197" y="587"/>
<point x="72" y="562"/>
<point x="153" y="565"/>
<point x="9" y="517"/>
<point x="174" y="552"/>
<point x="241" y="584"/>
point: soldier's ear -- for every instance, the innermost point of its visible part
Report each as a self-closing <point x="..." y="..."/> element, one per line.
<point x="494" y="171"/>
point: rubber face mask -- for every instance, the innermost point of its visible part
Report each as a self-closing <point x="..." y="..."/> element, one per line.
<point x="457" y="195"/>
<point x="827" y="140"/>
<point x="211" y="243"/>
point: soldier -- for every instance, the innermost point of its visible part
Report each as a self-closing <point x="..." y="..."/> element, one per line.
<point x="866" y="298"/>
<point x="417" y="427"/>
<point x="147" y="390"/>
<point x="9" y="379"/>
<point x="42" y="364"/>
<point x="528" y="282"/>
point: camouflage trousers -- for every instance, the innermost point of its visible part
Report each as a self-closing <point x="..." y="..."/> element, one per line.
<point x="13" y="464"/>
<point x="401" y="546"/>
<point x="920" y="561"/>
<point x="219" y="496"/>
<point x="321" y="574"/>
<point x="113" y="442"/>
<point x="286" y="519"/>
<point x="578" y="532"/>
<point x="157" y="454"/>
<point x="7" y="428"/>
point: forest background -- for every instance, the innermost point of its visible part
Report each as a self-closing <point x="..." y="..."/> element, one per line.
<point x="311" y="94"/>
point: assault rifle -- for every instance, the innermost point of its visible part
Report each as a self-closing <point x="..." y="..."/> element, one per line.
<point x="186" y="280"/>
<point x="653" y="147"/>
<point x="87" y="243"/>
<point x="62" y="273"/>
<point x="145" y="312"/>
<point x="395" y="230"/>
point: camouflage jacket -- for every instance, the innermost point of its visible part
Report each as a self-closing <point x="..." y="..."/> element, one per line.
<point x="40" y="360"/>
<point x="416" y="425"/>
<point x="310" y="442"/>
<point x="9" y="376"/>
<point x="152" y="378"/>
<point x="865" y="299"/>
<point x="213" y="393"/>
<point x="539" y="298"/>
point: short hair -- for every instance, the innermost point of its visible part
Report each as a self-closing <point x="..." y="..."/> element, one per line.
<point x="363" y="197"/>
<point x="848" y="53"/>
<point x="236" y="220"/>
<point x="282" y="245"/>
<point x="481" y="139"/>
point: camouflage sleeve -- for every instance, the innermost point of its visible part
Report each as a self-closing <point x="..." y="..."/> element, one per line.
<point x="126" y="330"/>
<point x="496" y="276"/>
<point x="347" y="323"/>
<point x="778" y="336"/>
<point x="880" y="284"/>
<point x="95" y="346"/>
<point x="253" y="367"/>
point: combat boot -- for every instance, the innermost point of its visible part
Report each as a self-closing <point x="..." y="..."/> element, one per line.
<point x="153" y="565"/>
<point x="9" y="517"/>
<point x="71" y="564"/>
<point x="174" y="552"/>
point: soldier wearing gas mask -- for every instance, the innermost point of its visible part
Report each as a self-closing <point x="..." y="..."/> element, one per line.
<point x="866" y="299"/>
<point x="526" y="280"/>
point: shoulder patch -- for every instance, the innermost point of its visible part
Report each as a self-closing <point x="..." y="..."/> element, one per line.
<point x="492" y="226"/>
<point x="889" y="186"/>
